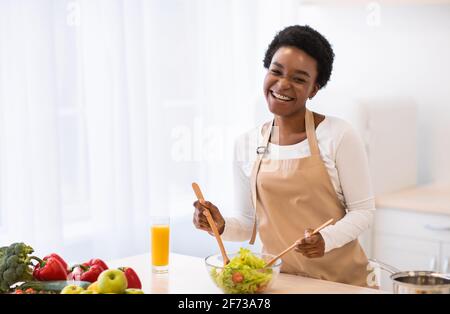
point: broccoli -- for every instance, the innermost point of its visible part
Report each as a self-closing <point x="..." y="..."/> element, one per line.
<point x="15" y="265"/>
<point x="3" y="251"/>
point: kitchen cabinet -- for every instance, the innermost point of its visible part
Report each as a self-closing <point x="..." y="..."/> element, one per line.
<point x="404" y="253"/>
<point x="412" y="230"/>
<point x="407" y="253"/>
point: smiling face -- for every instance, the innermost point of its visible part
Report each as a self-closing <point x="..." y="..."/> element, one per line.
<point x="290" y="81"/>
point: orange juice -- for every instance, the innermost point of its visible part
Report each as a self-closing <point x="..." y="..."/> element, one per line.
<point x="160" y="245"/>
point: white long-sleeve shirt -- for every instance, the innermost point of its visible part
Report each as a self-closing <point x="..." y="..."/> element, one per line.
<point x="344" y="156"/>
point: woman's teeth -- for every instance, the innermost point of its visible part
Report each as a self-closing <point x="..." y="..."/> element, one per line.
<point x="281" y="97"/>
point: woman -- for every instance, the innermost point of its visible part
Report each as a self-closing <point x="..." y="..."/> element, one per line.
<point x="305" y="168"/>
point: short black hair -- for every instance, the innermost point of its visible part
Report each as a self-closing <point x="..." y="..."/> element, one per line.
<point x="310" y="41"/>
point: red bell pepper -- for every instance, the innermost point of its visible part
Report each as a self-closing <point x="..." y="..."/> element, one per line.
<point x="49" y="269"/>
<point x="132" y="277"/>
<point x="59" y="258"/>
<point x="88" y="271"/>
<point x="85" y="273"/>
<point x="96" y="261"/>
<point x="75" y="273"/>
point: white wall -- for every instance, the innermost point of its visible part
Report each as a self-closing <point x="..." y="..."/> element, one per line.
<point x="404" y="57"/>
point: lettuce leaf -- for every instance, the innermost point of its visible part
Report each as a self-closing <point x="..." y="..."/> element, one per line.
<point x="250" y="276"/>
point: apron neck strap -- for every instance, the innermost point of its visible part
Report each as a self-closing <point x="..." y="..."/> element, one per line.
<point x="266" y="139"/>
<point x="260" y="151"/>
<point x="311" y="133"/>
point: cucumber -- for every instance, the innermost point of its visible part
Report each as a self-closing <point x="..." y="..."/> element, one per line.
<point x="52" y="286"/>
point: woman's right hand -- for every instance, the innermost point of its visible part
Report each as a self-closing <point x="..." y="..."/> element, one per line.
<point x="200" y="221"/>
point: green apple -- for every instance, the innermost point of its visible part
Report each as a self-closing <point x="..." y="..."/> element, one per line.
<point x="87" y="292"/>
<point x="93" y="287"/>
<point x="133" y="291"/>
<point x="72" y="289"/>
<point x="112" y="281"/>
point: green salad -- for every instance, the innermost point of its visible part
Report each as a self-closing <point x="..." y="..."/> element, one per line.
<point x="244" y="274"/>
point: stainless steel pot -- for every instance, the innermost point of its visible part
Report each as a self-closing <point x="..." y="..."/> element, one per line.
<point x="416" y="282"/>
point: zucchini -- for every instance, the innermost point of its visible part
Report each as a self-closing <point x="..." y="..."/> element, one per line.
<point x="52" y="286"/>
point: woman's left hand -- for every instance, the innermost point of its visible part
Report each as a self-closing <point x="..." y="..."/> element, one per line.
<point x="311" y="246"/>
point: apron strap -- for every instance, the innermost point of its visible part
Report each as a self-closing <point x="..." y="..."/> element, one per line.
<point x="311" y="133"/>
<point x="260" y="151"/>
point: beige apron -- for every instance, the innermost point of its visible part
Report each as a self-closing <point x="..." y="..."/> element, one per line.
<point x="295" y="194"/>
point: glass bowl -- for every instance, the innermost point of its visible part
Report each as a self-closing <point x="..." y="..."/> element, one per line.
<point x="242" y="279"/>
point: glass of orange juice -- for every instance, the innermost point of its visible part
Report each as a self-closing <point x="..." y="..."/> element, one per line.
<point x="160" y="236"/>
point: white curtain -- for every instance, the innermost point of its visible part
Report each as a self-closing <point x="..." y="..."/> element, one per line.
<point x="109" y="109"/>
<point x="30" y="182"/>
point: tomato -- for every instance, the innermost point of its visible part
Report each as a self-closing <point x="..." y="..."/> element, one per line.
<point x="237" y="277"/>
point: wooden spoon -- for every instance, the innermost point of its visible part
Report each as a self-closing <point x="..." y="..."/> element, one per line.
<point x="273" y="260"/>
<point x="211" y="222"/>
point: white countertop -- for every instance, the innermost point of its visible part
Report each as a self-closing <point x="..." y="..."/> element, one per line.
<point x="433" y="199"/>
<point x="188" y="275"/>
